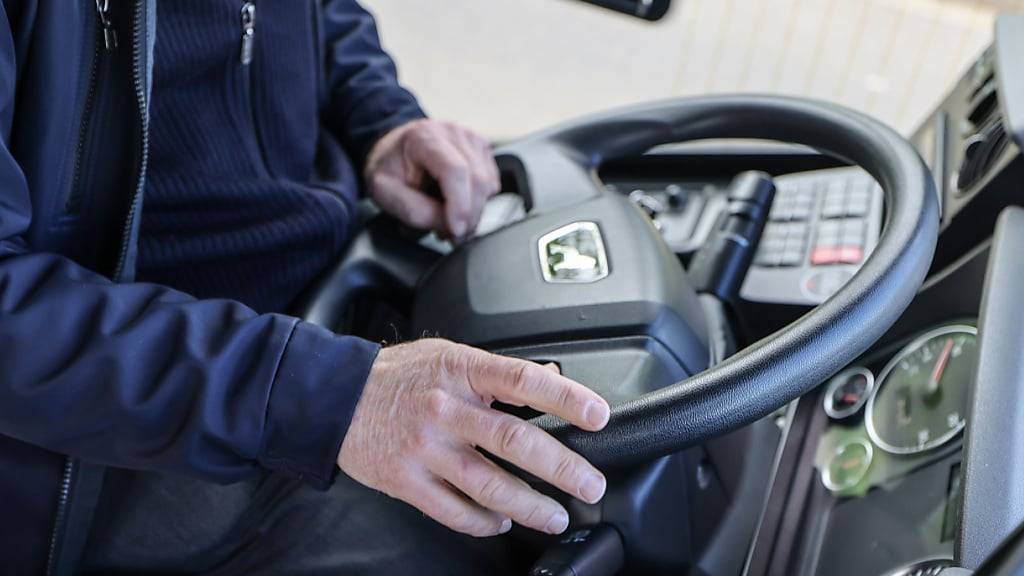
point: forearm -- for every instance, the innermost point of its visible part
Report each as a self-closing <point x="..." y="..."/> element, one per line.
<point x="140" y="376"/>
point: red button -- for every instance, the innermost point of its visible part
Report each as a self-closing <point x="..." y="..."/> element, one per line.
<point x="851" y="254"/>
<point x="825" y="255"/>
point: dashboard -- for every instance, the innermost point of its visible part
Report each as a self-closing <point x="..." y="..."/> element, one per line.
<point x="868" y="477"/>
<point x="889" y="455"/>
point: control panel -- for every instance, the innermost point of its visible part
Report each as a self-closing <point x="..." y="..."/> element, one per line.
<point x="684" y="212"/>
<point x="821" y="227"/>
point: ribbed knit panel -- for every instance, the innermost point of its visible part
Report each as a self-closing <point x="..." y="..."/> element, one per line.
<point x="231" y="209"/>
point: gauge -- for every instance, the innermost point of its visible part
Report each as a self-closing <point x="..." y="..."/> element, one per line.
<point x="921" y="398"/>
<point x="847" y="392"/>
<point x="848" y="466"/>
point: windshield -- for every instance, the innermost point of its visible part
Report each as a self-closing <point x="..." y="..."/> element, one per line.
<point x="507" y="67"/>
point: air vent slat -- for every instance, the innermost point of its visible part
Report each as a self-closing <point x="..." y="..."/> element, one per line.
<point x="984" y="103"/>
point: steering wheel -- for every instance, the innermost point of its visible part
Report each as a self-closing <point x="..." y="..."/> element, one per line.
<point x="491" y="292"/>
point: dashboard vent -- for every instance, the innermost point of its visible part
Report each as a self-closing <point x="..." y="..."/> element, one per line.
<point x="984" y="146"/>
<point x="981" y="151"/>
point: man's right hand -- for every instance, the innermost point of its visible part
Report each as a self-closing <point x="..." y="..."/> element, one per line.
<point x="427" y="407"/>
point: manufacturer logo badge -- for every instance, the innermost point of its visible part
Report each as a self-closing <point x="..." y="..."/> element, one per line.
<point x="573" y="254"/>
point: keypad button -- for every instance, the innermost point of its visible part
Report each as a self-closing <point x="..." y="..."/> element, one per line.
<point x="773" y="230"/>
<point x="857" y="209"/>
<point x="781" y="212"/>
<point x="768" y="259"/>
<point x="831" y="209"/>
<point x="822" y="255"/>
<point x="796" y="230"/>
<point x="773" y="244"/>
<point x="853" y="226"/>
<point x="801" y="212"/>
<point x="791" y="258"/>
<point x="852" y="240"/>
<point x="836" y="191"/>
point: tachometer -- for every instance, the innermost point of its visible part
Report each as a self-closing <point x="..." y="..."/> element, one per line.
<point x="921" y="398"/>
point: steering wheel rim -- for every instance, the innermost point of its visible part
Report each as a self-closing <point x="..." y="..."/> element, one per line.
<point x="559" y="168"/>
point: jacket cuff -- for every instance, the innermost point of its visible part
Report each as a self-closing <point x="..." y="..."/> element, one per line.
<point x="365" y="137"/>
<point x="314" y="395"/>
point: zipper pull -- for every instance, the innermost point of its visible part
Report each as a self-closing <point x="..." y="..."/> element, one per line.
<point x="248" y="32"/>
<point x="109" y="33"/>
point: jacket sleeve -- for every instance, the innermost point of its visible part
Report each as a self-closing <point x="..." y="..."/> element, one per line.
<point x="364" y="100"/>
<point x="140" y="376"/>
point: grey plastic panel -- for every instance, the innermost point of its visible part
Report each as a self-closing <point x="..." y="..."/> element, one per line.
<point x="993" y="504"/>
<point x="1009" y="46"/>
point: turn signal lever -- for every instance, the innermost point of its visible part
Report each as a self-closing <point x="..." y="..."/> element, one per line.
<point x="721" y="263"/>
<point x="589" y="551"/>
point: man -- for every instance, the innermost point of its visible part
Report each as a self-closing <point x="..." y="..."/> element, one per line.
<point x="172" y="175"/>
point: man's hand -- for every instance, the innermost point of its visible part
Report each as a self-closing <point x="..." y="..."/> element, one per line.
<point x="459" y="160"/>
<point x="425" y="410"/>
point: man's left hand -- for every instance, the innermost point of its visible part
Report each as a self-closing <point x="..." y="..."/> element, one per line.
<point x="458" y="159"/>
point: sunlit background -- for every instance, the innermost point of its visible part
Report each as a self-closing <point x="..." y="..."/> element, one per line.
<point x="506" y="67"/>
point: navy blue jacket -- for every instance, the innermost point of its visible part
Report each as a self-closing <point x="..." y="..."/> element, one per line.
<point x="98" y="370"/>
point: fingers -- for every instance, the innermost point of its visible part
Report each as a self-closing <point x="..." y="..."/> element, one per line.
<point x="497" y="490"/>
<point x="407" y="204"/>
<point x="437" y="500"/>
<point x="485" y="176"/>
<point x="519" y="382"/>
<point x="462" y="165"/>
<point x="527" y="447"/>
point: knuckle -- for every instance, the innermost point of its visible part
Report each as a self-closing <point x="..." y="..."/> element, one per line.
<point x="451" y="360"/>
<point x="565" y="471"/>
<point x="420" y="440"/>
<point x="535" y="517"/>
<point x="493" y="491"/>
<point x="564" y="397"/>
<point x="465" y="474"/>
<point x="520" y="381"/>
<point x="461" y="521"/>
<point x="437" y="402"/>
<point x="513" y="436"/>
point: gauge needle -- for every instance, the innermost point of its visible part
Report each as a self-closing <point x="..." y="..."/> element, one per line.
<point x="940" y="367"/>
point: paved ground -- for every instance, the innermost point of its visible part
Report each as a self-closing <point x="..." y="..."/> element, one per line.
<point x="509" y="66"/>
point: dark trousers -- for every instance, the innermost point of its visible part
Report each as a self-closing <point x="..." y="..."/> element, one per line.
<point x="153" y="523"/>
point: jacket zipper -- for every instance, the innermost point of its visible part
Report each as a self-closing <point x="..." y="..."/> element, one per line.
<point x="245" y="58"/>
<point x="61" y="516"/>
<point x="139" y="84"/>
<point x="106" y="31"/>
<point x="72" y="205"/>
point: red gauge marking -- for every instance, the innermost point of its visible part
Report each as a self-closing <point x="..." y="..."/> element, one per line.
<point x="940" y="365"/>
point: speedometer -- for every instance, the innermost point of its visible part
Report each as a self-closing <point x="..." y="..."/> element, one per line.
<point x="921" y="398"/>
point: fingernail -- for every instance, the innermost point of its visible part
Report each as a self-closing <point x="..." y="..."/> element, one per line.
<point x="506" y="525"/>
<point x="558" y="523"/>
<point x="593" y="488"/>
<point x="458" y="228"/>
<point x="596" y="414"/>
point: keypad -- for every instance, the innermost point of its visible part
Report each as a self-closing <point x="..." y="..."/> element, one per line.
<point x="818" y="223"/>
<point x="821" y="227"/>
